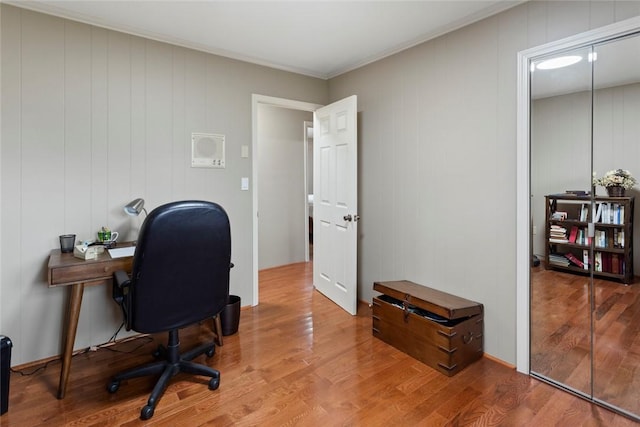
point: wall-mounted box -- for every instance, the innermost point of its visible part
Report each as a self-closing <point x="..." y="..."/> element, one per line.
<point x="207" y="150"/>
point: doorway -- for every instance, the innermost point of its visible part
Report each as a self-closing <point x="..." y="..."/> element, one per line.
<point x="290" y="108"/>
<point x="282" y="200"/>
<point x="308" y="165"/>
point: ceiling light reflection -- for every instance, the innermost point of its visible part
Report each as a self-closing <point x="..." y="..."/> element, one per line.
<point x="559" y="62"/>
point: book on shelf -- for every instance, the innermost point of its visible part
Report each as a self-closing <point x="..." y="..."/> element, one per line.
<point x="606" y="262"/>
<point x="572" y="258"/>
<point x="559" y="215"/>
<point x="598" y="212"/>
<point x="614" y="211"/>
<point x="558" y="234"/>
<point x="577" y="192"/>
<point x="600" y="239"/>
<point x="558" y="240"/>
<point x="585" y="259"/>
<point x="597" y="264"/>
<point x="618" y="214"/>
<point x="558" y="259"/>
<point x="615" y="263"/>
<point x="618" y="238"/>
<point x="611" y="213"/>
<point x="583" y="237"/>
<point x="584" y="212"/>
<point x="573" y="234"/>
<point x="604" y="216"/>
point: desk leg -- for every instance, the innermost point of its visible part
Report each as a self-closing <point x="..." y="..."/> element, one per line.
<point x="75" y="300"/>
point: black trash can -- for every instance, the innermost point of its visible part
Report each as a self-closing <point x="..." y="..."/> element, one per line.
<point x="230" y="316"/>
<point x="5" y="367"/>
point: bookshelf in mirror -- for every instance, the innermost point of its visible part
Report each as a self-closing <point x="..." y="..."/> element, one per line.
<point x="607" y="251"/>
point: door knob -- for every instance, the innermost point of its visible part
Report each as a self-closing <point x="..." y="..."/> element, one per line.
<point x="347" y="218"/>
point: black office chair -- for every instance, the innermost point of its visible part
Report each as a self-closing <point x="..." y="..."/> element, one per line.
<point x="180" y="276"/>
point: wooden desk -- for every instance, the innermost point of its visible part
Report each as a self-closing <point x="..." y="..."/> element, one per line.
<point x="67" y="270"/>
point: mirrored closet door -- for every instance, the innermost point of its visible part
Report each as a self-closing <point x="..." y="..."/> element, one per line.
<point x="561" y="151"/>
<point x="616" y="145"/>
<point x="584" y="112"/>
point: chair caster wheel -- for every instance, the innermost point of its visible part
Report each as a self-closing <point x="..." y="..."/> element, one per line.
<point x="214" y="383"/>
<point x="146" y="413"/>
<point x="113" y="386"/>
<point x="211" y="352"/>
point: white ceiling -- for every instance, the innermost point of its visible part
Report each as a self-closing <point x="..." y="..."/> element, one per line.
<point x="316" y="38"/>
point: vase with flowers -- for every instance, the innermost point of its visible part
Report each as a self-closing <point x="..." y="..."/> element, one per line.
<point x="615" y="182"/>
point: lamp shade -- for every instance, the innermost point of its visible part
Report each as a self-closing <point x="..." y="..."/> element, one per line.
<point x="134" y="207"/>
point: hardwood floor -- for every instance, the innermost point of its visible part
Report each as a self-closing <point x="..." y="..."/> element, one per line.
<point x="561" y="335"/>
<point x="297" y="360"/>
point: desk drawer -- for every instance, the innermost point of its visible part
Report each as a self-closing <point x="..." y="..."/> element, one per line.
<point x="95" y="270"/>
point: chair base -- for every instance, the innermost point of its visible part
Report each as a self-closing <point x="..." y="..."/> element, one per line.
<point x="168" y="368"/>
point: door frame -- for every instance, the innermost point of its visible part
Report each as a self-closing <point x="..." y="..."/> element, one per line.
<point x="523" y="184"/>
<point x="257" y="100"/>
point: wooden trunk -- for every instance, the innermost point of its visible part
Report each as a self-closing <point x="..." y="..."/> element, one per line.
<point x="441" y="330"/>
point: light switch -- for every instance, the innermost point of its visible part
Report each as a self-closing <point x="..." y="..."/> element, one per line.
<point x="244" y="183"/>
<point x="244" y="151"/>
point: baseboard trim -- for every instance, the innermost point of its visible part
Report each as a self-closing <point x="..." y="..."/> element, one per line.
<point x="499" y="361"/>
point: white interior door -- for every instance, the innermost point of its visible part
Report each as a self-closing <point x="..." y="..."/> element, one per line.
<point x="335" y="208"/>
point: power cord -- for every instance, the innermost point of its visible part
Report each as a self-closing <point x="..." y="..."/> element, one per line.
<point x="106" y="345"/>
<point x="40" y="368"/>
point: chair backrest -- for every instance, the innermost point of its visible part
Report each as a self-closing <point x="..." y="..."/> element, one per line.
<point x="180" y="267"/>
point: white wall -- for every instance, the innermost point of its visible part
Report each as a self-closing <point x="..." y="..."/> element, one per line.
<point x="438" y="157"/>
<point x="281" y="196"/>
<point x="92" y="118"/>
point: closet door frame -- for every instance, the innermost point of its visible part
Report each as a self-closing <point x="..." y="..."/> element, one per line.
<point x="523" y="183"/>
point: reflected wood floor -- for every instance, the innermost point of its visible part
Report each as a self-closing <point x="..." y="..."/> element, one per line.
<point x="297" y="360"/>
<point x="561" y="335"/>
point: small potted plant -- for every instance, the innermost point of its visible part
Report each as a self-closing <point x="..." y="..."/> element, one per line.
<point x="615" y="182"/>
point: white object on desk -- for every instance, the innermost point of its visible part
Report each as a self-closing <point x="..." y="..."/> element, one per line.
<point x="122" y="252"/>
<point x="85" y="252"/>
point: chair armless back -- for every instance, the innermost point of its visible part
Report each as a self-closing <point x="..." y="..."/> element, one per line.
<point x="180" y="267"/>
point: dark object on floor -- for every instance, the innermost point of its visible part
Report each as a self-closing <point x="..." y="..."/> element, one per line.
<point x="180" y="276"/>
<point x="5" y="372"/>
<point x="230" y="316"/>
<point x="535" y="261"/>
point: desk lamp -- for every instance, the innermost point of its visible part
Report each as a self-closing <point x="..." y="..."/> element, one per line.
<point x="134" y="207"/>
